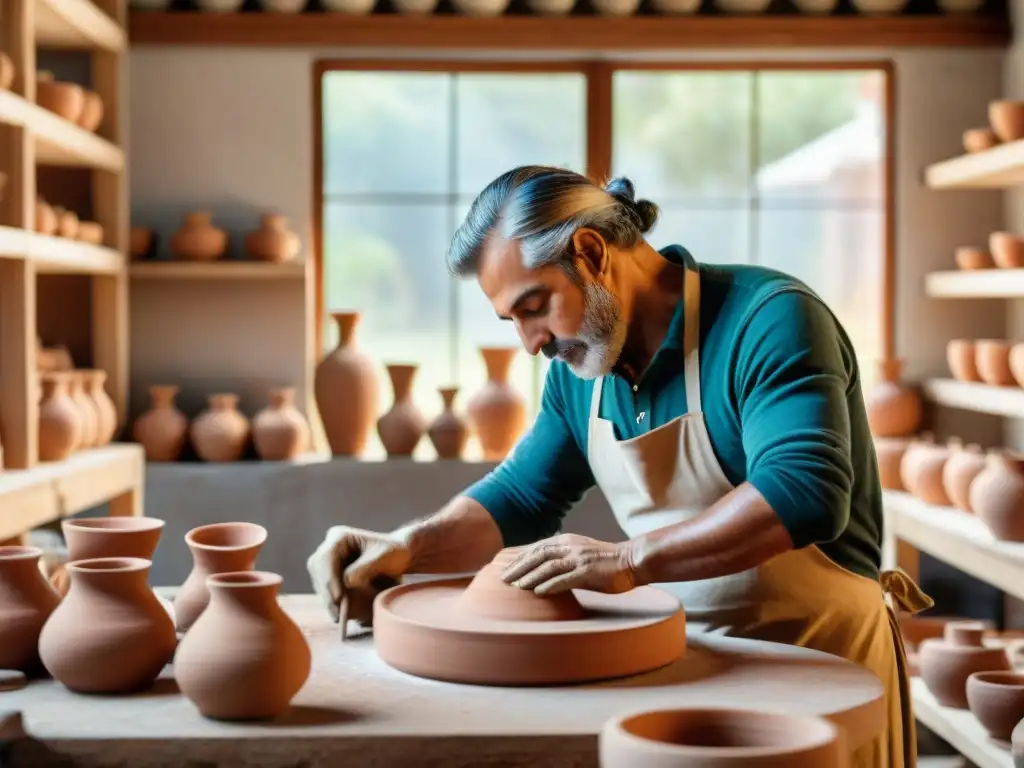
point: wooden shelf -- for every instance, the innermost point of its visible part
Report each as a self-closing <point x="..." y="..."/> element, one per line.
<point x="216" y="270"/>
<point x="981" y="398"/>
<point x="52" y="255"/>
<point x="976" y="284"/>
<point x="33" y="497"/>
<point x="997" y="168"/>
<point x="78" y="25"/>
<point x="960" y="728"/>
<point x="578" y="33"/>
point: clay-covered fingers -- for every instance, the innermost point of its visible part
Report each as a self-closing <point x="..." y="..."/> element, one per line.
<point x="532" y="559"/>
<point x="542" y="574"/>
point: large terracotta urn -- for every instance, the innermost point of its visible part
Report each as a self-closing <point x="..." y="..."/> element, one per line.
<point x="401" y="427"/>
<point x="960" y="471"/>
<point x="244" y="658"/>
<point x="889" y="452"/>
<point x="106" y="412"/>
<point x="946" y="663"/>
<point x="273" y="241"/>
<point x="894" y="409"/>
<point x="26" y="602"/>
<point x="280" y="431"/>
<point x="497" y="412"/>
<point x="162" y="429"/>
<point x="347" y="391"/>
<point x="60" y="423"/>
<point x="88" y="414"/>
<point x="997" y="495"/>
<point x="221" y="432"/>
<point x="198" y="239"/>
<point x="449" y="431"/>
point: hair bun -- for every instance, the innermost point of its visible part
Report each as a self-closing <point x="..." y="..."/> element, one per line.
<point x="647" y="212"/>
<point x="621" y="188"/>
<point x="644" y="211"/>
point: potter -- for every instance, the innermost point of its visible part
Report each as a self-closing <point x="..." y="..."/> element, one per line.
<point x="720" y="410"/>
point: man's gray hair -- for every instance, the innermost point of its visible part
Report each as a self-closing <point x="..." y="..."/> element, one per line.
<point x="542" y="207"/>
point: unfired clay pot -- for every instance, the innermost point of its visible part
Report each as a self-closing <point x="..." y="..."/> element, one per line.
<point x="1007" y="119"/>
<point x="961" y="356"/>
<point x="979" y="139"/>
<point x="489" y="596"/>
<point x="1007" y="250"/>
<point x="347" y="391"/>
<point x="449" y="431"/>
<point x="26" y="602"/>
<point x="894" y="410"/>
<point x="963" y="466"/>
<point x="928" y="485"/>
<point x="947" y="663"/>
<point x="997" y="700"/>
<point x="402" y="427"/>
<point x="216" y="548"/>
<point x="721" y="738"/>
<point x="110" y="634"/>
<point x="198" y="239"/>
<point x="88" y="416"/>
<point x="46" y="218"/>
<point x="221" y="432"/>
<point x="280" y="431"/>
<point x="60" y="424"/>
<point x="889" y="452"/>
<point x="64" y="99"/>
<point x="497" y="412"/>
<point x="92" y="111"/>
<point x="992" y="357"/>
<point x="997" y="495"/>
<point x="918" y="451"/>
<point x="163" y="428"/>
<point x="89" y="538"/>
<point x="244" y="658"/>
<point x="106" y="412"/>
<point x="273" y="241"/>
<point x="968" y="257"/>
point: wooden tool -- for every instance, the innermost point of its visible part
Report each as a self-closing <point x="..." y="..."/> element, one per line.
<point x="343" y="617"/>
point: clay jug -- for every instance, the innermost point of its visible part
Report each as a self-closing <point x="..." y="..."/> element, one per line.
<point x="928" y="484"/>
<point x="947" y="663"/>
<point x="992" y="358"/>
<point x="347" y="391"/>
<point x="198" y="239"/>
<point x="917" y="451"/>
<point x="894" y="410"/>
<point x="490" y="597"/>
<point x="26" y="602"/>
<point x="110" y="634"/>
<point x="497" y="412"/>
<point x="449" y="431"/>
<point x="997" y="495"/>
<point x="996" y="699"/>
<point x="402" y="427"/>
<point x="106" y="412"/>
<point x="889" y="452"/>
<point x="89" y="417"/>
<point x="221" y="432"/>
<point x="960" y="356"/>
<point x="60" y="422"/>
<point x="273" y="241"/>
<point x="89" y="538"/>
<point x="963" y="466"/>
<point x="280" y="431"/>
<point x="216" y="548"/>
<point x="163" y="428"/>
<point x="244" y="658"/>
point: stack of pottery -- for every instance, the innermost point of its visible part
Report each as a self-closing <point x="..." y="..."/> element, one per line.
<point x="347" y="391"/>
<point x="497" y="412"/>
<point x="1006" y="123"/>
<point x="75" y="413"/>
<point x="894" y="414"/>
<point x="947" y="663"/>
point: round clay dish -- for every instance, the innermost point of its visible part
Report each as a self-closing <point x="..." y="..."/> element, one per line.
<point x="996" y="699"/>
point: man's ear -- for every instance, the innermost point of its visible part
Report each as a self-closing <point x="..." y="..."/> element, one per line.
<point x="591" y="249"/>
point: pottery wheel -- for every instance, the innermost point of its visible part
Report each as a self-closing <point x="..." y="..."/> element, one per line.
<point x="422" y="629"/>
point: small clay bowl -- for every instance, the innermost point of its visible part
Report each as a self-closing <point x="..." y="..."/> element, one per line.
<point x="979" y="139"/>
<point x="947" y="663"/>
<point x="992" y="358"/>
<point x="961" y="358"/>
<point x="969" y="257"/>
<point x="1007" y="119"/>
<point x="997" y="700"/>
<point x="1007" y="250"/>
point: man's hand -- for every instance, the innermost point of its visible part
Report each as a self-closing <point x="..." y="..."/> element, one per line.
<point x="569" y="561"/>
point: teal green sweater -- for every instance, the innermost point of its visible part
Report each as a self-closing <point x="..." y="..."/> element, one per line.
<point x="782" y="398"/>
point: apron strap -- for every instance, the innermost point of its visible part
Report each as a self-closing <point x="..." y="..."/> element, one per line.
<point x="691" y="338"/>
<point x="904" y="591"/>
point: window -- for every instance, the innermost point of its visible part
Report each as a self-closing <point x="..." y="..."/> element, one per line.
<point x="782" y="168"/>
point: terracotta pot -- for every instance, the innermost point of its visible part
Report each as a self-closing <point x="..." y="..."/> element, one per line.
<point x="244" y="658"/>
<point x="60" y="420"/>
<point x="449" y="432"/>
<point x="997" y="700"/>
<point x="67" y="223"/>
<point x="26" y="602"/>
<point x="110" y="614"/>
<point x="423" y="7"/>
<point x="879" y="7"/>
<point x="7" y="71"/>
<point x="973" y="258"/>
<point x="280" y="431"/>
<point x="721" y="738"/>
<point x="928" y="485"/>
<point x="947" y="663"/>
<point x="273" y="241"/>
<point x="889" y="452"/>
<point x="92" y="111"/>
<point x="554" y="7"/>
<point x="90" y="232"/>
<point x="997" y="495"/>
<point x="916" y="452"/>
<point x="347" y="391"/>
<point x="46" y="218"/>
<point x="959" y="472"/>
<point x="64" y="99"/>
<point x="488" y="596"/>
<point x="106" y="412"/>
<point x="216" y="548"/>
<point x="355" y="7"/>
<point x="402" y="427"/>
<point x="992" y="358"/>
<point x="221" y="432"/>
<point x="961" y="358"/>
<point x="979" y="139"/>
<point x="89" y="538"/>
<point x="1016" y="363"/>
<point x="479" y="7"/>
<point x="198" y="239"/>
<point x="894" y="410"/>
<point x="1007" y="250"/>
<point x="497" y="412"/>
<point x="141" y="243"/>
<point x="1007" y="119"/>
<point x="88" y="414"/>
<point x="163" y="428"/>
<point x="622" y="7"/>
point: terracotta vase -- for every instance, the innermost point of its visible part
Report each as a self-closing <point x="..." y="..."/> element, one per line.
<point x="90" y="538"/>
<point x="721" y="738"/>
<point x="198" y="239"/>
<point x="928" y="486"/>
<point x="996" y="699"/>
<point x="497" y="412"/>
<point x="273" y="241"/>
<point x="449" y="431"/>
<point x="918" y="450"/>
<point x="960" y="356"/>
<point x="26" y="602"/>
<point x="997" y="495"/>
<point x="889" y="452"/>
<point x="163" y="428"/>
<point x="244" y="658"/>
<point x="64" y="99"/>
<point x="402" y="427"/>
<point x="88" y="415"/>
<point x="894" y="410"/>
<point x="221" y="432"/>
<point x="280" y="431"/>
<point x="963" y="466"/>
<point x="490" y="597"/>
<point x="110" y="615"/>
<point x="992" y="358"/>
<point x="46" y="218"/>
<point x="1007" y="119"/>
<point x="106" y="412"/>
<point x="216" y="548"/>
<point x="347" y="391"/>
<point x="947" y="663"/>
<point x="60" y="422"/>
<point x="92" y="111"/>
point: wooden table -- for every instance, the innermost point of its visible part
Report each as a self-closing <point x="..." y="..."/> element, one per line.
<point x="357" y="711"/>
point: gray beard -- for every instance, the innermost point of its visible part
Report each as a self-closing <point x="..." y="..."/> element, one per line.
<point x="603" y="332"/>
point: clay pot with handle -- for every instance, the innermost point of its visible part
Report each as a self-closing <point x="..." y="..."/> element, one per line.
<point x="402" y="427"/>
<point x="947" y="663"/>
<point x="347" y="389"/>
<point x="894" y="410"/>
<point x="959" y="472"/>
<point x="997" y="495"/>
<point x="497" y="412"/>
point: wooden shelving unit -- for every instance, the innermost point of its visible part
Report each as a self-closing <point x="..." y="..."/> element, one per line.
<point x="232" y="269"/>
<point x="33" y="493"/>
<point x="976" y="284"/>
<point x="971" y="396"/>
<point x="998" y="168"/>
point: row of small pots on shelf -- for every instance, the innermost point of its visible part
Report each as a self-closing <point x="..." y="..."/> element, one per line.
<point x="55" y="220"/>
<point x="995" y="362"/>
<point x="199" y="240"/>
<point x="75" y="413"/>
<point x="81" y="106"/>
<point x="1005" y="251"/>
<point x="1006" y="123"/>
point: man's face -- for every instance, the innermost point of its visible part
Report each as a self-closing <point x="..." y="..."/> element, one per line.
<point x="578" y="322"/>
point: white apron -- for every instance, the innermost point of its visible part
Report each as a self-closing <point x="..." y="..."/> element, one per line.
<point x="801" y="597"/>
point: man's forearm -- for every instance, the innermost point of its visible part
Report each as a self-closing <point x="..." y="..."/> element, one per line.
<point x="738" y="532"/>
<point x="461" y="537"/>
